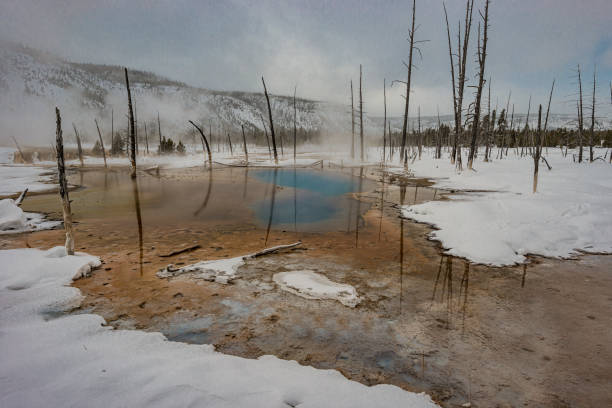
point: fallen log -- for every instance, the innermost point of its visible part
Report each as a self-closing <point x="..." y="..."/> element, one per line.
<point x="180" y="251"/>
<point x="21" y="197"/>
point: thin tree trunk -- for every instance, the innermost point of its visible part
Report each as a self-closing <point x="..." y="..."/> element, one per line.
<point x="452" y="66"/>
<point x="352" y="123"/>
<point x="79" y="147"/>
<point x="384" y="120"/>
<point x="271" y="122"/>
<point x="205" y="142"/>
<point x="406" y="108"/>
<point x="131" y="117"/>
<point x="537" y="150"/>
<point x="159" y="133"/>
<point x="482" y="57"/>
<point x="19" y="149"/>
<point x="112" y="130"/>
<point x="294" y="124"/>
<point x="361" y="115"/>
<point x="63" y="184"/>
<point x="246" y="152"/>
<point x="146" y="138"/>
<point x="580" y="117"/>
<point x="101" y="142"/>
<point x="592" y="133"/>
<point x="229" y="141"/>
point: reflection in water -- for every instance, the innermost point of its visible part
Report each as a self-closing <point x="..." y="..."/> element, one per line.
<point x="350" y="212"/>
<point x="139" y="220"/>
<point x="246" y="177"/>
<point x="445" y="272"/>
<point x="295" y="202"/>
<point x="271" y="206"/>
<point x="208" y="191"/>
<point x="382" y="204"/>
<point x="524" y="275"/>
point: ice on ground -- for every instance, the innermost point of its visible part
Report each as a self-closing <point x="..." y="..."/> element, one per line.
<point x="51" y="358"/>
<point x="219" y="270"/>
<point x="312" y="285"/>
<point x="14" y="179"/>
<point x="570" y="213"/>
<point x="14" y="220"/>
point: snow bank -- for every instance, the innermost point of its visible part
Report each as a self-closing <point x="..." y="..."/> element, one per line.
<point x="16" y="178"/>
<point x="54" y="359"/>
<point x="312" y="285"/>
<point x="219" y="270"/>
<point x="14" y="220"/>
<point x="571" y="212"/>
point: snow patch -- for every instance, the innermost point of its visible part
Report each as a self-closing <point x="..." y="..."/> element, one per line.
<point x="14" y="220"/>
<point x="219" y="270"/>
<point x="312" y="285"/>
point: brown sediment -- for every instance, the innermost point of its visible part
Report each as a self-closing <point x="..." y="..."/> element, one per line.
<point x="513" y="336"/>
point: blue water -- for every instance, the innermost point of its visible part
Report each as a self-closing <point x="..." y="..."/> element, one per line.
<point x="307" y="196"/>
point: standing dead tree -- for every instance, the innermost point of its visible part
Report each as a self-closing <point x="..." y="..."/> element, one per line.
<point x="79" y="147"/>
<point x="361" y="115"/>
<point x="101" y="142"/>
<point x="146" y="138"/>
<point x="537" y="150"/>
<point x="23" y="159"/>
<point x="384" y="121"/>
<point x="580" y="116"/>
<point x="592" y="132"/>
<point x="458" y="82"/>
<point x="246" y="152"/>
<point x="263" y="126"/>
<point x="352" y="123"/>
<point x="482" y="58"/>
<point x="131" y="119"/>
<point x="294" y="124"/>
<point x="271" y="122"/>
<point x="229" y="141"/>
<point x="409" y="66"/>
<point x="205" y="141"/>
<point x="63" y="184"/>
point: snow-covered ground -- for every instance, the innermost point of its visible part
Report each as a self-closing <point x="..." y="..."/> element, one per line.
<point x="14" y="220"/>
<point x="53" y="359"/>
<point x="571" y="211"/>
<point x="312" y="285"/>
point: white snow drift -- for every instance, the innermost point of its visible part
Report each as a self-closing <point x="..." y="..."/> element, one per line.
<point x="312" y="285"/>
<point x="52" y="359"/>
<point x="13" y="219"/>
<point x="570" y="213"/>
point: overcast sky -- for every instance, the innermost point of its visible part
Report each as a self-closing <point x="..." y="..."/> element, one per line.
<point x="318" y="45"/>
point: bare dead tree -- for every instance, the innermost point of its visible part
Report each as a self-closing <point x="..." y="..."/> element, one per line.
<point x="580" y="117"/>
<point x="271" y="121"/>
<point x="409" y="66"/>
<point x="246" y="152"/>
<point x="63" y="184"/>
<point x="352" y="123"/>
<point x="159" y="133"/>
<point x="361" y="114"/>
<point x="131" y="119"/>
<point x="263" y="125"/>
<point x="439" y="138"/>
<point x="384" y="120"/>
<point x="19" y="149"/>
<point x="79" y="146"/>
<point x="146" y="137"/>
<point x="229" y="141"/>
<point x="592" y="132"/>
<point x="101" y="142"/>
<point x="482" y="58"/>
<point x="112" y="130"/>
<point x="537" y="151"/>
<point x="210" y="163"/>
<point x="294" y="124"/>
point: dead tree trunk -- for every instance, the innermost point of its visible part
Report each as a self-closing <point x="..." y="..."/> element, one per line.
<point x="112" y="131"/>
<point x="131" y="117"/>
<point x="246" y="152"/>
<point x="79" y="147"/>
<point x="146" y="138"/>
<point x="263" y="125"/>
<point x="271" y="122"/>
<point x="361" y="116"/>
<point x="23" y="159"/>
<point x="409" y="66"/>
<point x="482" y="58"/>
<point x="537" y="151"/>
<point x="294" y="124"/>
<point x="159" y="133"/>
<point x="352" y="123"/>
<point x="580" y="117"/>
<point x="592" y="132"/>
<point x="384" y="120"/>
<point x="229" y="141"/>
<point x="63" y="184"/>
<point x="439" y="139"/>
<point x="205" y="142"/>
<point x="101" y="142"/>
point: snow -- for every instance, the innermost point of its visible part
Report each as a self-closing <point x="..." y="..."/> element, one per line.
<point x="14" y="179"/>
<point x="503" y="220"/>
<point x="50" y="358"/>
<point x="219" y="270"/>
<point x="312" y="285"/>
<point x="14" y="220"/>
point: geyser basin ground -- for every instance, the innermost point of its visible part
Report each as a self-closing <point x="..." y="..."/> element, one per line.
<point x="425" y="322"/>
